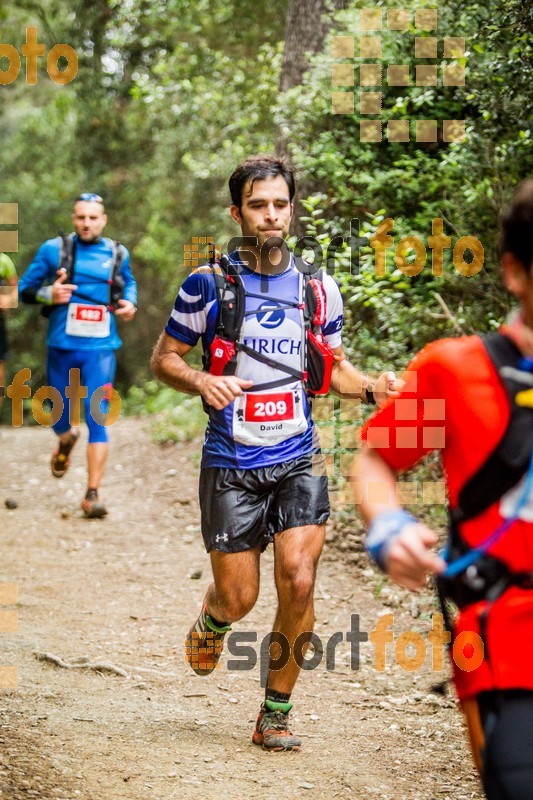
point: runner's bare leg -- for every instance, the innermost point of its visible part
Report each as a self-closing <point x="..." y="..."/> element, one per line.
<point x="96" y="460"/>
<point x="296" y="554"/>
<point x="236" y="584"/>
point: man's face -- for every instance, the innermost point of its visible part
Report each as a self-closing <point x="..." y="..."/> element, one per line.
<point x="265" y="211"/>
<point x="89" y="220"/>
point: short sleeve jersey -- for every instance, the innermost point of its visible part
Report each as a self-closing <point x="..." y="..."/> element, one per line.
<point x="256" y="432"/>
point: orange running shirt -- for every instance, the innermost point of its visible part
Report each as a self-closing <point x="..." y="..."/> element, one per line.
<point x="454" y="401"/>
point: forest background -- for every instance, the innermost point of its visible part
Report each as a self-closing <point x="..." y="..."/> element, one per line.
<point x="170" y="96"/>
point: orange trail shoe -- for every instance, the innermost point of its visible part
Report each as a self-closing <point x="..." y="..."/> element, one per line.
<point x="204" y="644"/>
<point x="60" y="458"/>
<point x="92" y="507"/>
<point x="272" y="728"/>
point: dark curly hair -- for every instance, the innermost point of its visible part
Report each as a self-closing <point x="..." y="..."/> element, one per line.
<point x="516" y="226"/>
<point x="258" y="168"/>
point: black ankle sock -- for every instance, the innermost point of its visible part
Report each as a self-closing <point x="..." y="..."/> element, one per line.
<point x="277" y="697"/>
<point x="92" y="494"/>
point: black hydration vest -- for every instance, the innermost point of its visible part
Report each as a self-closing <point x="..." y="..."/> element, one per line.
<point x="488" y="577"/>
<point x="221" y="357"/>
<point x="67" y="261"/>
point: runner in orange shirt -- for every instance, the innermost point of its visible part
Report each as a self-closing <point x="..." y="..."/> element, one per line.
<point x="472" y="399"/>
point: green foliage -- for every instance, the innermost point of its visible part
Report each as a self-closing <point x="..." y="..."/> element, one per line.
<point x="170" y="95"/>
<point x="464" y="184"/>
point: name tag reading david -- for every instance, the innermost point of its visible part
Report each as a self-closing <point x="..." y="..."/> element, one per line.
<point x="88" y="321"/>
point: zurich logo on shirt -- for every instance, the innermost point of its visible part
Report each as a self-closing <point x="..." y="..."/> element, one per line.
<point x="270" y="315"/>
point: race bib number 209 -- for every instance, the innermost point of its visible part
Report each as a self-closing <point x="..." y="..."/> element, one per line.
<point x="263" y="419"/>
<point x="268" y="407"/>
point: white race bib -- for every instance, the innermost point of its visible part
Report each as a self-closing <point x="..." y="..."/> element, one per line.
<point x="89" y="321"/>
<point x="263" y="419"/>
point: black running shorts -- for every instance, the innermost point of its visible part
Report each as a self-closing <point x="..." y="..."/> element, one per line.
<point x="244" y="508"/>
<point x="507" y="719"/>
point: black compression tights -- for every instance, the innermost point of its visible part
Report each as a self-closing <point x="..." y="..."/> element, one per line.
<point x="507" y="719"/>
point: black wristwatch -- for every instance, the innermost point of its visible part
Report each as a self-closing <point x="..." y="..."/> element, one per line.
<point x="369" y="396"/>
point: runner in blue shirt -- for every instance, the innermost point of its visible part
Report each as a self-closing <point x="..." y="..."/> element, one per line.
<point x="82" y="332"/>
<point x="262" y="478"/>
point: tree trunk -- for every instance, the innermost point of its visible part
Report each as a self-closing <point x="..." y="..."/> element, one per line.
<point x="308" y="21"/>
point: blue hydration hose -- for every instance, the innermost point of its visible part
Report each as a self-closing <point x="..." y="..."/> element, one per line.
<point x="462" y="563"/>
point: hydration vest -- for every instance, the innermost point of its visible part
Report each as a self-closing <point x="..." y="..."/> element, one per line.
<point x="221" y="357"/>
<point x="487" y="577"/>
<point x="67" y="261"/>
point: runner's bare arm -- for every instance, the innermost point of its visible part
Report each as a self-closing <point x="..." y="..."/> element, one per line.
<point x="409" y="558"/>
<point x="170" y="367"/>
<point x="348" y="382"/>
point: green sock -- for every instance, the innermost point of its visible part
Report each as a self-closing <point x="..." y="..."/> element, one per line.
<point x="216" y="626"/>
<point x="277" y="700"/>
<point x="273" y="706"/>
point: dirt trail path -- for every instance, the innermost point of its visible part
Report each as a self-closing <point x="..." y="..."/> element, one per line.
<point x="120" y="590"/>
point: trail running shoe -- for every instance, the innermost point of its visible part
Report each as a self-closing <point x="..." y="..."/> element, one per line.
<point x="204" y="644"/>
<point x="92" y="507"/>
<point x="60" y="458"/>
<point x="272" y="728"/>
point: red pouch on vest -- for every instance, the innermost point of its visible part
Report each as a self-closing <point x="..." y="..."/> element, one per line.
<point x="320" y="359"/>
<point x="316" y="301"/>
<point x="222" y="352"/>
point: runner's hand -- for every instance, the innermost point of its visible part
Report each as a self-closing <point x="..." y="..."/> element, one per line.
<point x="387" y="385"/>
<point x="221" y="390"/>
<point x="126" y="311"/>
<point x="409" y="558"/>
<point x="61" y="291"/>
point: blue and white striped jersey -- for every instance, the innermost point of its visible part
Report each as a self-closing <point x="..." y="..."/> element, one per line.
<point x="271" y="426"/>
